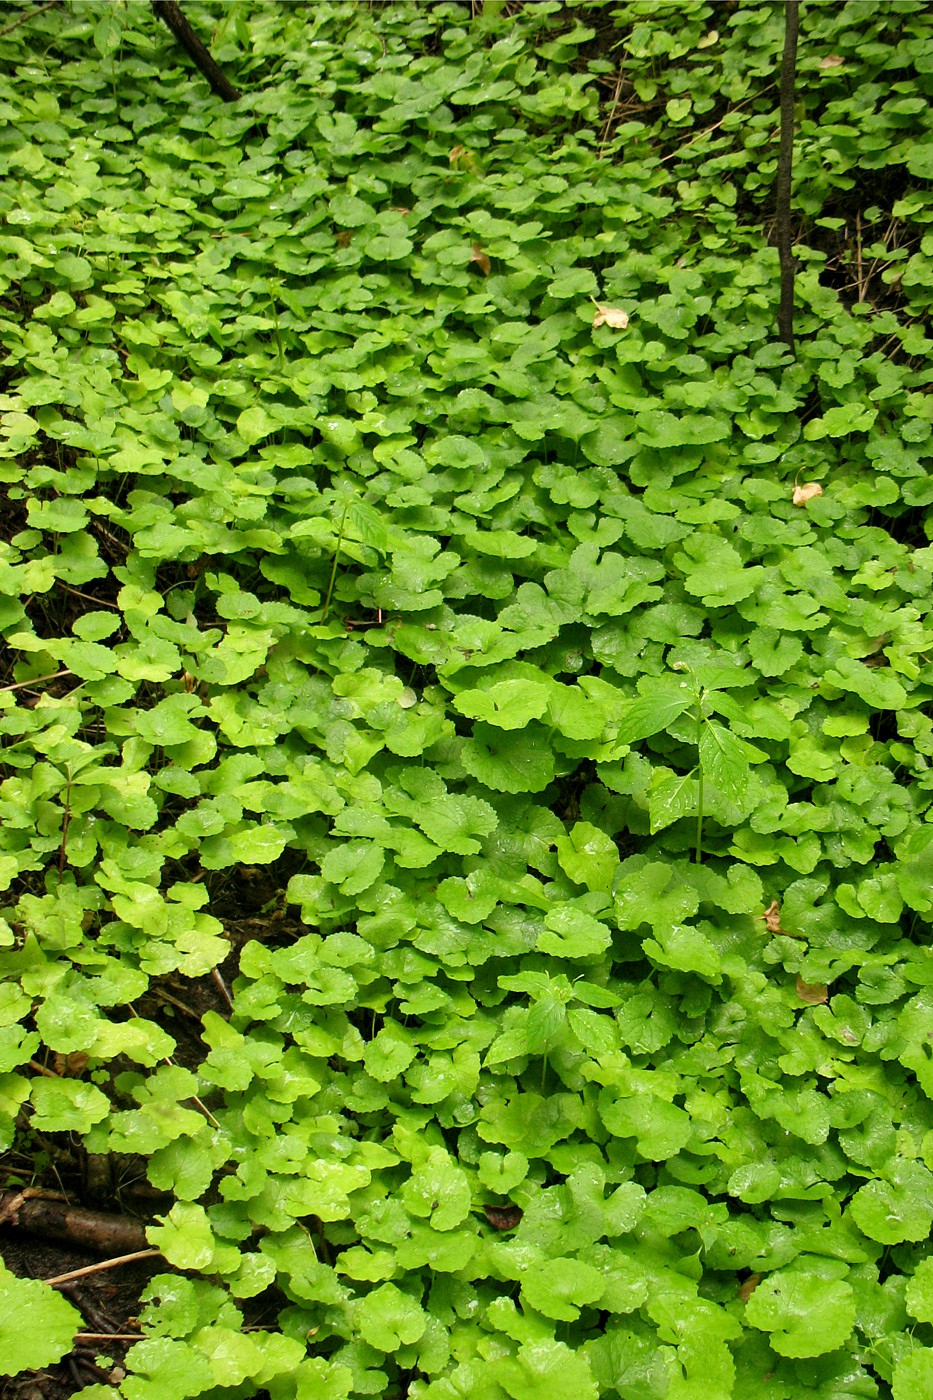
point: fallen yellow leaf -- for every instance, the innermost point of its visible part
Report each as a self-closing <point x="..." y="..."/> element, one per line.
<point x="481" y="259"/>
<point x="612" y="316"/>
<point x="814" y="993"/>
<point x="807" y="492"/>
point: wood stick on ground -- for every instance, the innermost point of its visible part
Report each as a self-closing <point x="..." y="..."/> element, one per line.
<point x="57" y="1220"/>
<point x="108" y="1337"/>
<point x="102" y="1265"/>
<point x="170" y="12"/>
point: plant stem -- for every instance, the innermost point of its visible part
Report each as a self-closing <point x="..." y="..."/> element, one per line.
<point x="783" y="230"/>
<point x="275" y="322"/>
<point x="333" y="568"/>
<point x="698" y="855"/>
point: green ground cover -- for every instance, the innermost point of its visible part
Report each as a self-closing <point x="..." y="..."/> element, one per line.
<point x="352" y="537"/>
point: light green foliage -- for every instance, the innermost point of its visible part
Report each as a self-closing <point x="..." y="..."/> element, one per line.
<point x="37" y="1325"/>
<point x="580" y="1036"/>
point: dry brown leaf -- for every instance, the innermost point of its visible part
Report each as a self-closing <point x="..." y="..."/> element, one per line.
<point x="503" y="1217"/>
<point x="832" y="60"/>
<point x="612" y="316"/>
<point x="772" y="917"/>
<point x="344" y="238"/>
<point x="72" y="1065"/>
<point x="481" y="259"/>
<point x="813" y="993"/>
<point x="807" y="492"/>
<point x="462" y="156"/>
<point x="748" y="1287"/>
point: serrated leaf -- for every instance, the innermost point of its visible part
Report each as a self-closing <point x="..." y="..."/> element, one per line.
<point x="513" y="762"/>
<point x="898" y="1209"/>
<point x="559" y="1288"/>
<point x="804" y="1313"/>
<point x="572" y="933"/>
<point x="37" y="1325"/>
<point x="639" y="719"/>
<point x="546" y="1368"/>
<point x="725" y="759"/>
<point x="505" y="704"/>
<point x="588" y="856"/>
<point x="676" y="796"/>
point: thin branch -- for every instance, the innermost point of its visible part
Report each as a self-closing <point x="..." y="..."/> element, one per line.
<point x="708" y="131"/>
<point x="171" y="13"/>
<point x="107" y="1337"/>
<point x="607" y="128"/>
<point x="784" y="171"/>
<point x="30" y="14"/>
<point x="42" y="1069"/>
<point x="37" y="680"/>
<point x="222" y="988"/>
<point x="102" y="1266"/>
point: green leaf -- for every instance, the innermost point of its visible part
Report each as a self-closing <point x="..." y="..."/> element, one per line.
<point x="670" y="798"/>
<point x="714" y="571"/>
<point x="919" y="1295"/>
<point x="804" y="1312"/>
<point x="588" y="856"/>
<point x="388" y="1054"/>
<point x="517" y="762"/>
<point x="167" y="723"/>
<point x="572" y="933"/>
<point x="501" y="1173"/>
<point x="660" y="1129"/>
<point x="686" y="949"/>
<point x="660" y="429"/>
<point x="389" y="1318"/>
<point x="913" y="1373"/>
<point x="840" y="421"/>
<point x="187" y="1241"/>
<point x="37" y="1325"/>
<point x="877" y="687"/>
<point x="639" y="719"/>
<point x="898" y="1209"/>
<point x="438" y="1190"/>
<point x="543" y="1369"/>
<point x="725" y="759"/>
<point x="506" y="704"/>
<point x="354" y="866"/>
<point x="559" y="1288"/>
<point x="774" y="653"/>
<point x="651" y="892"/>
<point x="67" y="1105"/>
<point x="255" y="423"/>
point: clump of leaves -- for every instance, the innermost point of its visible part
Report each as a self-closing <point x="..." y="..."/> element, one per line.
<point x="565" y="672"/>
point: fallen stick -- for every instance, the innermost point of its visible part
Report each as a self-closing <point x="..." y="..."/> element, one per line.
<point x="104" y="1264"/>
<point x="42" y="1214"/>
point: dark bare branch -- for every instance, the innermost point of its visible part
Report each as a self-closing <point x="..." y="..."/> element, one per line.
<point x="783" y="229"/>
<point x="171" y="13"/>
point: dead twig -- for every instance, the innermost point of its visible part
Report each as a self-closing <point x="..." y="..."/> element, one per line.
<point x="44" y="1213"/>
<point x="104" y="1264"/>
<point x="171" y="13"/>
<point x="107" y="1336"/>
<point x="24" y="18"/>
<point x="222" y="988"/>
<point x="607" y="129"/>
<point x="37" y="680"/>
